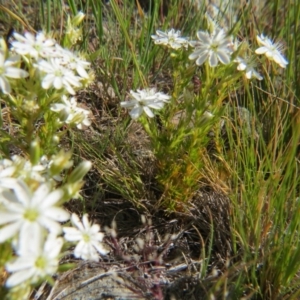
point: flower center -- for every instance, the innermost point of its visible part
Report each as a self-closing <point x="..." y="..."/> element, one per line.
<point x="41" y="263"/>
<point x="58" y="73"/>
<point x="31" y="215"/>
<point x="86" y="238"/>
<point x="214" y="46"/>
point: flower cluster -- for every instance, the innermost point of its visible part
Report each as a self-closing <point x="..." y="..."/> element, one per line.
<point x="215" y="46"/>
<point x="144" y="100"/>
<point x="54" y="66"/>
<point x="31" y="211"/>
<point x="36" y="216"/>
<point x="59" y="67"/>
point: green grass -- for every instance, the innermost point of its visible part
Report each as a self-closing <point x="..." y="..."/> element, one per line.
<point x="256" y="162"/>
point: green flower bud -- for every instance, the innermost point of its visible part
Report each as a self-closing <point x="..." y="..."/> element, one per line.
<point x="79" y="172"/>
<point x="78" y="18"/>
<point x="60" y="162"/>
<point x="35" y="152"/>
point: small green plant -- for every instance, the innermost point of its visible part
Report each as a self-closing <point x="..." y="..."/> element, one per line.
<point x="37" y="76"/>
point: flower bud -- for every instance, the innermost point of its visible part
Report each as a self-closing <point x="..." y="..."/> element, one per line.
<point x="78" y="18"/>
<point x="60" y="162"/>
<point x="79" y="172"/>
<point x="35" y="152"/>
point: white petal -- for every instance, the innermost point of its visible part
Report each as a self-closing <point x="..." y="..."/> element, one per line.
<point x="52" y="198"/>
<point x="82" y="72"/>
<point x="148" y="112"/>
<point x="72" y="234"/>
<point x="57" y="107"/>
<point x="20" y="263"/>
<point x="53" y="246"/>
<point x="136" y="112"/>
<point x="76" y="221"/>
<point x="85" y="221"/>
<point x="201" y="59"/>
<point x="94" y="230"/>
<point x="19" y="277"/>
<point x="9" y="231"/>
<point x="57" y="214"/>
<point x="4" y="85"/>
<point x="196" y="54"/>
<point x="128" y="104"/>
<point x="51" y="225"/>
<point x="261" y="50"/>
<point x="223" y="57"/>
<point x="100" y="248"/>
<point x="58" y="83"/>
<point x="15" y="72"/>
<point x="279" y="59"/>
<point x="47" y="81"/>
<point x="22" y="192"/>
<point x="156" y="105"/>
<point x="30" y="231"/>
<point x="79" y="249"/>
<point x="204" y="37"/>
<point x="213" y="60"/>
<point x="8" y="217"/>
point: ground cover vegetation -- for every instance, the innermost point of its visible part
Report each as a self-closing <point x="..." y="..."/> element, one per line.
<point x="149" y="149"/>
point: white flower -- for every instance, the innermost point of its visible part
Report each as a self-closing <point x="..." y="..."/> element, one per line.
<point x="213" y="47"/>
<point x="271" y="50"/>
<point x="73" y="62"/>
<point x="7" y="70"/>
<point x="143" y="100"/>
<point x="21" y="168"/>
<point x="58" y="76"/>
<point x="248" y="67"/>
<point x="26" y="214"/>
<point x="88" y="237"/>
<point x="170" y="39"/>
<point x="71" y="113"/>
<point x="35" y="265"/>
<point x="34" y="46"/>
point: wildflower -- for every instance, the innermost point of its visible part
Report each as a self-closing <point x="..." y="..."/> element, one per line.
<point x="271" y="50"/>
<point x="71" y="113"/>
<point x="143" y="100"/>
<point x="35" y="265"/>
<point x="27" y="171"/>
<point x="26" y="214"/>
<point x="214" y="47"/>
<point x="34" y="46"/>
<point x="88" y="236"/>
<point x="58" y="76"/>
<point x="170" y="39"/>
<point x="7" y="70"/>
<point x="73" y="62"/>
<point x="21" y="168"/>
<point x="248" y="67"/>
